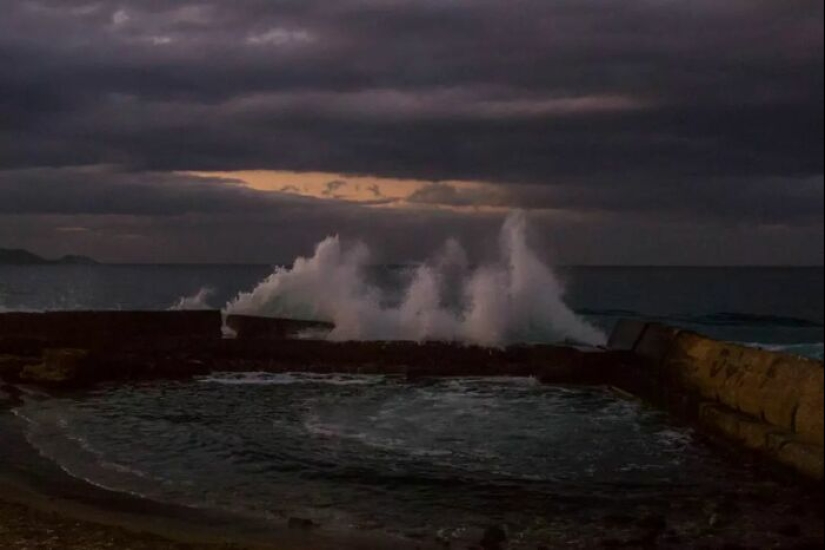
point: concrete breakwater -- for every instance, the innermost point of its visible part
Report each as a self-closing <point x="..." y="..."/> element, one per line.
<point x="117" y="346"/>
<point x="765" y="402"/>
<point x="107" y="329"/>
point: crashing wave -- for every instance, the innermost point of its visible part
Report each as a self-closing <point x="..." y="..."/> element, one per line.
<point x="517" y="298"/>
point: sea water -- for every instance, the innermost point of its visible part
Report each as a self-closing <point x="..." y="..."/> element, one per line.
<point x="780" y="308"/>
<point x="374" y="452"/>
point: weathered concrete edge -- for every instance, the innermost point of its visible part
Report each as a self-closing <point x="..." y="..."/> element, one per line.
<point x="762" y="401"/>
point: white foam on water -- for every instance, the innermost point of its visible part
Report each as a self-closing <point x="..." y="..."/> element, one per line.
<point x="678" y="439"/>
<point x="288" y="379"/>
<point x="49" y="434"/>
<point x="811" y="351"/>
<point x="517" y="298"/>
<point x="466" y="382"/>
<point x="197" y="302"/>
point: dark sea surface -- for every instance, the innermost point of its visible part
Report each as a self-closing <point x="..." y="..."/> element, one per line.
<point x="771" y="306"/>
<point x="433" y="459"/>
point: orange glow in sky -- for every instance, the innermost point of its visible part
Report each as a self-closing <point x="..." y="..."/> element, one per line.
<point x="370" y="190"/>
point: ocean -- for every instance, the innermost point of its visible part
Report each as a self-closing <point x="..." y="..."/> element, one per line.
<point x="371" y="452"/>
<point x="776" y="307"/>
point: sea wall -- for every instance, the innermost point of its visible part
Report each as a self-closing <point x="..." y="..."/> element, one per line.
<point x="102" y="329"/>
<point x="81" y="348"/>
<point x="67" y="350"/>
<point x="247" y="327"/>
<point x="767" y="402"/>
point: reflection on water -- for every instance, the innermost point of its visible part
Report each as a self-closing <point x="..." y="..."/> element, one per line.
<point x="372" y="451"/>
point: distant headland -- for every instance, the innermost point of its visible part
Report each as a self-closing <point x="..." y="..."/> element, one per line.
<point x="24" y="257"/>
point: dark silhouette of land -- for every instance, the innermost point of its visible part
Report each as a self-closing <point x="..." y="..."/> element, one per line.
<point x="24" y="257"/>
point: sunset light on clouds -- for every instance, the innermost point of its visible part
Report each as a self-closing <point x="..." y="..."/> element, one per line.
<point x="183" y="123"/>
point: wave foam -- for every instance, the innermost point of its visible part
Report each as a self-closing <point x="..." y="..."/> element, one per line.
<point x="811" y="351"/>
<point x="288" y="379"/>
<point x="197" y="302"/>
<point x="515" y="299"/>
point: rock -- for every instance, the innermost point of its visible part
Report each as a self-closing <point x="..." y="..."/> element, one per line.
<point x="12" y="365"/>
<point x="60" y="367"/>
<point x="654" y="522"/>
<point x="715" y="520"/>
<point x="156" y="345"/>
<point x="248" y="327"/>
<point x="493" y="539"/>
<point x="759" y="400"/>
<point x="627" y="334"/>
<point x="22" y="346"/>
<point x="619" y="519"/>
<point x="811" y="545"/>
<point x="103" y="329"/>
<point x="809" y="422"/>
<point x="370" y="525"/>
<point x="301" y="523"/>
<point x="416" y="534"/>
<point x="654" y="526"/>
<point x="672" y="538"/>
<point x="792" y="530"/>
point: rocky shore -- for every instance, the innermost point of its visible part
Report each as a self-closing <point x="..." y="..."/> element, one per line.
<point x="22" y="527"/>
<point x="755" y="520"/>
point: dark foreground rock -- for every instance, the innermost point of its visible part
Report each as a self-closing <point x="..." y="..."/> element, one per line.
<point x="493" y="539"/>
<point x="25" y="528"/>
<point x="59" y="367"/>
<point x="12" y="365"/>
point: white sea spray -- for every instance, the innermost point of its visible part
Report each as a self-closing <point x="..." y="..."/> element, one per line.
<point x="516" y="298"/>
<point x="197" y="302"/>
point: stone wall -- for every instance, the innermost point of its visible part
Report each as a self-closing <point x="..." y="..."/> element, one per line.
<point x="768" y="402"/>
<point x="25" y="332"/>
<point x="247" y="327"/>
<point x="81" y="349"/>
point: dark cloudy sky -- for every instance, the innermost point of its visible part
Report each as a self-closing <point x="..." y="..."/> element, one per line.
<point x="635" y="131"/>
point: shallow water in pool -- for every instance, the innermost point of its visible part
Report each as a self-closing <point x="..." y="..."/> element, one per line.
<point x="375" y="452"/>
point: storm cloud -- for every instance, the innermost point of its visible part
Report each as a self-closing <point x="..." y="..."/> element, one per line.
<point x="700" y="112"/>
